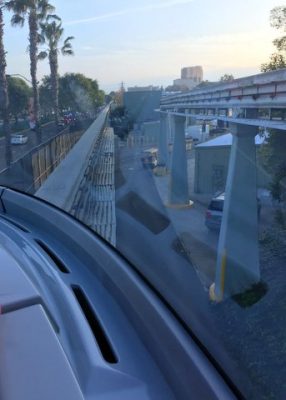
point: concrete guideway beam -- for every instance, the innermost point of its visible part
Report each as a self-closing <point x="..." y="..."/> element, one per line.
<point x="178" y="188"/>
<point x="62" y="184"/>
<point x="237" y="266"/>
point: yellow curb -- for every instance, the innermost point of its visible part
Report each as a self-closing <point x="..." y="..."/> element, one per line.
<point x="180" y="206"/>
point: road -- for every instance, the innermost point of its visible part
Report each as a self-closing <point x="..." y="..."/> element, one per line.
<point x="48" y="131"/>
<point x="147" y="238"/>
<point x="199" y="244"/>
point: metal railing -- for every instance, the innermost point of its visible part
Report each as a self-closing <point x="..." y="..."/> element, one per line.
<point x="29" y="172"/>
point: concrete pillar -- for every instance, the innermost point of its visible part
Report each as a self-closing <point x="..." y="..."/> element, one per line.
<point x="188" y="119"/>
<point x="238" y="258"/>
<point x="163" y="145"/>
<point x="170" y="124"/>
<point x="179" y="192"/>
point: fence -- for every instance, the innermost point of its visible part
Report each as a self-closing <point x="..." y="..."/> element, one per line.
<point x="30" y="171"/>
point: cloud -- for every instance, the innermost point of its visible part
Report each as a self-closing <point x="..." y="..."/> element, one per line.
<point x="156" y="6"/>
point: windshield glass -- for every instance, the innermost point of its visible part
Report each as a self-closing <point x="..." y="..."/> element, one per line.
<point x="160" y="125"/>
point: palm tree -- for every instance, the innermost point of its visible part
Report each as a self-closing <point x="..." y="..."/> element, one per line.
<point x="52" y="33"/>
<point x="4" y="100"/>
<point x="34" y="11"/>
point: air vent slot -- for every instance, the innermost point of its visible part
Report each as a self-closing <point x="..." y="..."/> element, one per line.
<point x="98" y="332"/>
<point x="53" y="256"/>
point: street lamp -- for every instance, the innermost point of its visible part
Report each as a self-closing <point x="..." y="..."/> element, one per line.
<point x="21" y="76"/>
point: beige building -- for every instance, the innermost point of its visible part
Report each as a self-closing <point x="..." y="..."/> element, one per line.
<point x="190" y="77"/>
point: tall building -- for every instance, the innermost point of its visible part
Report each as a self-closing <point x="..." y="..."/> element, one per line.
<point x="194" y="73"/>
<point x="190" y="77"/>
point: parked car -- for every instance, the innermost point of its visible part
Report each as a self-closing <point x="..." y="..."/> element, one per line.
<point x="62" y="123"/>
<point x="19" y="139"/>
<point x="215" y="210"/>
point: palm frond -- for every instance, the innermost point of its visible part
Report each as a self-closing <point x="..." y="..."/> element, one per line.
<point x="41" y="38"/>
<point x="44" y="8"/>
<point x="53" y="17"/>
<point x="67" y="46"/>
<point x="53" y="32"/>
<point x="17" y="20"/>
<point x="16" y="6"/>
<point x="67" y="49"/>
<point x="67" y="52"/>
<point x="42" y="55"/>
<point x="68" y="39"/>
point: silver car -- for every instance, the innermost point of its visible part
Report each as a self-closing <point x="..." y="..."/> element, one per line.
<point x="19" y="139"/>
<point x="214" y="212"/>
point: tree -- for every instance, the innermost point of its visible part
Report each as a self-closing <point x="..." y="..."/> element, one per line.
<point x="4" y="99"/>
<point x="19" y="94"/>
<point x="100" y="98"/>
<point x="79" y="93"/>
<point x="273" y="159"/>
<point x="76" y="93"/>
<point x="205" y="84"/>
<point x="277" y="61"/>
<point x="273" y="152"/>
<point x="278" y="21"/>
<point x="52" y="33"/>
<point x="34" y="11"/>
<point x="45" y="92"/>
<point x="226" y="78"/>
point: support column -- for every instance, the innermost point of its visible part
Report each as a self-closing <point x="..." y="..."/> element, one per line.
<point x="179" y="191"/>
<point x="163" y="143"/>
<point x="187" y="123"/>
<point x="237" y="266"/>
<point x="170" y="130"/>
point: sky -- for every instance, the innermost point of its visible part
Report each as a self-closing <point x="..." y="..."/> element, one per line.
<point x="142" y="42"/>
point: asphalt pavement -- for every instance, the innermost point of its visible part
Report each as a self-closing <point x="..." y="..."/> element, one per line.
<point x="198" y="241"/>
<point x="147" y="237"/>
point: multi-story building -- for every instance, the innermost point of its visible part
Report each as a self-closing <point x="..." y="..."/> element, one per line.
<point x="190" y="77"/>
